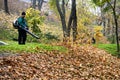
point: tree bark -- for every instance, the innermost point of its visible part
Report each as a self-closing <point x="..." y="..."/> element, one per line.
<point x="73" y="20"/>
<point x="69" y="25"/>
<point x="6" y="6"/>
<point x="74" y="28"/>
<point x="34" y="4"/>
<point x="40" y="3"/>
<point x="116" y="28"/>
<point x="62" y="16"/>
<point x="70" y="22"/>
<point x="116" y="24"/>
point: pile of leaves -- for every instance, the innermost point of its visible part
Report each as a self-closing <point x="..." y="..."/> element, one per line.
<point x="80" y="63"/>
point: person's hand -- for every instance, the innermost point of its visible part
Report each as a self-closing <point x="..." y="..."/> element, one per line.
<point x="26" y="27"/>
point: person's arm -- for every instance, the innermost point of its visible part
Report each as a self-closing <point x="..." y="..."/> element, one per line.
<point x="26" y="25"/>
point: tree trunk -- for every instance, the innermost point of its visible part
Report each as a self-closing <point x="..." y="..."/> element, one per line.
<point x="6" y="6"/>
<point x="62" y="16"/>
<point x="108" y="25"/>
<point x="34" y="4"/>
<point x="40" y="3"/>
<point x="116" y="28"/>
<point x="113" y="35"/>
<point x="69" y="25"/>
<point x="72" y="19"/>
<point x="104" y="26"/>
<point x="70" y="22"/>
<point x="74" y="28"/>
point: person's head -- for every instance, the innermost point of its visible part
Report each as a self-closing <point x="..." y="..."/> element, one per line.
<point x="23" y="14"/>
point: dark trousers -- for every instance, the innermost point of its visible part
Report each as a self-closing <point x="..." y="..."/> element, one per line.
<point x="22" y="36"/>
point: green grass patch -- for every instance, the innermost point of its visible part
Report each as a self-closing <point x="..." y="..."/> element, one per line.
<point x="110" y="48"/>
<point x="29" y="47"/>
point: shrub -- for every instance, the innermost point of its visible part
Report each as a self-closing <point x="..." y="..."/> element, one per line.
<point x="34" y="19"/>
<point x="7" y="34"/>
<point x="97" y="33"/>
<point x="49" y="36"/>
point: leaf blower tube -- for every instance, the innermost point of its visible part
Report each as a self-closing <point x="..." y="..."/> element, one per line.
<point x="35" y="36"/>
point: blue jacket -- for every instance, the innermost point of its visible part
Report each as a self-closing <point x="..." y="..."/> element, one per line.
<point x="22" y="22"/>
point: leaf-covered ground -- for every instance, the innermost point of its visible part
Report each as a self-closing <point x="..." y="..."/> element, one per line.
<point x="83" y="63"/>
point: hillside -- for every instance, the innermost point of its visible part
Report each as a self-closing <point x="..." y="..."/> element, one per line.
<point x="15" y="6"/>
<point x="78" y="64"/>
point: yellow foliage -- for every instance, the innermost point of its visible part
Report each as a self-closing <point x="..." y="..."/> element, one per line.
<point x="80" y="26"/>
<point x="98" y="28"/>
<point x="97" y="33"/>
<point x="34" y="19"/>
<point x="33" y="15"/>
<point x="84" y="33"/>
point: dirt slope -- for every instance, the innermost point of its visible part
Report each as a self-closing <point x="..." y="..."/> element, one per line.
<point x="84" y="63"/>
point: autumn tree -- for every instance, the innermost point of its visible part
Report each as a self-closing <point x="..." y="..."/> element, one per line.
<point x="62" y="16"/>
<point x="72" y="22"/>
<point x="6" y="6"/>
<point x="34" y="4"/>
<point x="40" y="3"/>
<point x="1" y="2"/>
<point x="112" y="5"/>
<point x="34" y="19"/>
<point x="85" y="22"/>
